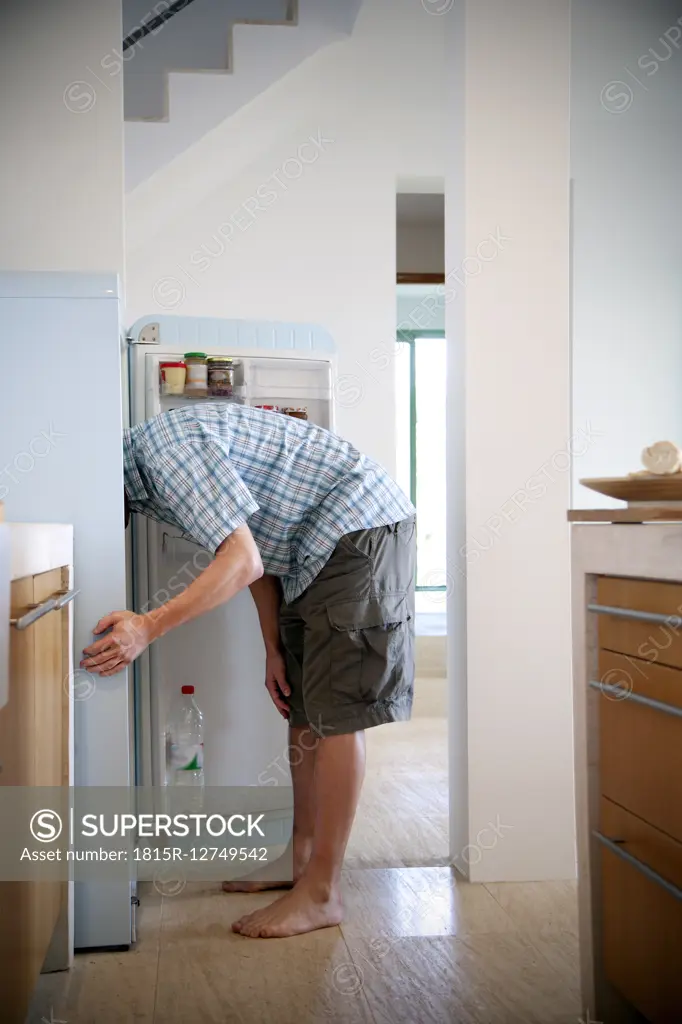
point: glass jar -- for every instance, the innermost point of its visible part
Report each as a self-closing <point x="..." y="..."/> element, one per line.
<point x="173" y="378"/>
<point x="196" y="380"/>
<point x="220" y="377"/>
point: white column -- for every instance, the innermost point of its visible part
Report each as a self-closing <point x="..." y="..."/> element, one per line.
<point x="61" y="121"/>
<point x="509" y="439"/>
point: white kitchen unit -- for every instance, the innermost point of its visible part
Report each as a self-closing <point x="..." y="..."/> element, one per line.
<point x="222" y="653"/>
<point x="60" y="446"/>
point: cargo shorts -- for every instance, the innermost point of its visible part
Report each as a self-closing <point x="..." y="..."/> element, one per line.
<point x="349" y="638"/>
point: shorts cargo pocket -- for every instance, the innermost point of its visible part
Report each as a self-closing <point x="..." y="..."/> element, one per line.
<point x="371" y="648"/>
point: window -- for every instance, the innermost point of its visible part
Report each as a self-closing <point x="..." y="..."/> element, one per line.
<point x="421" y="403"/>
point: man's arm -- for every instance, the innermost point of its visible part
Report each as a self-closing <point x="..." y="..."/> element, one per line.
<point x="237" y="565"/>
<point x="267" y="594"/>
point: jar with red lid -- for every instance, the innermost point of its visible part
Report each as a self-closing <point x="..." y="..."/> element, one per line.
<point x="173" y="376"/>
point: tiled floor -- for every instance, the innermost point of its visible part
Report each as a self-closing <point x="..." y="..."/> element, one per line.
<point x="418" y="946"/>
<point x="402" y="819"/>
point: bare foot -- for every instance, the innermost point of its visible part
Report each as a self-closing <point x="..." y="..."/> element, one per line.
<point x="305" y="909"/>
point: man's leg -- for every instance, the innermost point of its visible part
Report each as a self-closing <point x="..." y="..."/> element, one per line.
<point x="315" y="900"/>
<point x="302" y="753"/>
<point x="357" y="671"/>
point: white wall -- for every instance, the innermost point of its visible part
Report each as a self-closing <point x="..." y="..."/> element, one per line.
<point x="508" y="328"/>
<point x="304" y="241"/>
<point x="626" y="162"/>
<point x="61" y="172"/>
<point x="421" y="248"/>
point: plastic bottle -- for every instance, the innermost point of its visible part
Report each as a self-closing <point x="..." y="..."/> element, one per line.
<point x="185" y="743"/>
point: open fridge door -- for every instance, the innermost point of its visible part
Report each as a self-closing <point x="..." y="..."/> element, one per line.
<point x="221" y="654"/>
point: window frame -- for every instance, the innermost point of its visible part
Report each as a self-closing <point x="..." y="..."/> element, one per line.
<point x="410" y="338"/>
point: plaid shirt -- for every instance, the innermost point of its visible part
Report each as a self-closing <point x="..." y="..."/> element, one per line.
<point x="209" y="468"/>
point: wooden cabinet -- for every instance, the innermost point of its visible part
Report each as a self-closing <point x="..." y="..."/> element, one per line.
<point x="34" y="751"/>
<point x="642" y="916"/>
<point x="639" y="758"/>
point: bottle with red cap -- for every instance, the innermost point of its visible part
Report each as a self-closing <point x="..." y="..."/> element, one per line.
<point x="185" y="742"/>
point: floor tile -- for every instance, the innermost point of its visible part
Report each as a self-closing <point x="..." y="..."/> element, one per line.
<point x="107" y="988"/>
<point x="545" y="909"/>
<point x="546" y="913"/>
<point x="485" y="979"/>
<point x="403" y="815"/>
<point x="418" y="902"/>
<point x="208" y="974"/>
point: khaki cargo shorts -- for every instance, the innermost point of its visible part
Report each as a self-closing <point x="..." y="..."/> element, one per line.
<point x="349" y="638"/>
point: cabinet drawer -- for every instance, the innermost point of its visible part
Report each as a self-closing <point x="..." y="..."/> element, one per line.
<point x="640" y="839"/>
<point x="642" y="917"/>
<point x="659" y="642"/>
<point x="641" y="761"/>
<point x="640" y="678"/>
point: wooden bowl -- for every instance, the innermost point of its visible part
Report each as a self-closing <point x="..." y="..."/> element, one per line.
<point x="637" y="489"/>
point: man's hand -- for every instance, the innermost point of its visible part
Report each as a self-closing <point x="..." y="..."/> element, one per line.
<point x="276" y="681"/>
<point x="130" y="636"/>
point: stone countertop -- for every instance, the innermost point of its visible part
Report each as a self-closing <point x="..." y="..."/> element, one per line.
<point x="39" y="547"/>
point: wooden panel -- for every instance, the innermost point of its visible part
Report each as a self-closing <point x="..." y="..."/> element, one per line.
<point x="641" y="762"/>
<point x="47" y="635"/>
<point x="32" y="738"/>
<point x="403" y="277"/>
<point x="635" y="675"/>
<point x="642" y="940"/>
<point x="643" y="841"/>
<point x="657" y="643"/>
<point x="18" y="716"/>
<point x="17" y="757"/>
<point x="49" y="734"/>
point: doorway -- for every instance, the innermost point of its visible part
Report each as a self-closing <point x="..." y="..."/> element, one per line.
<point x="403" y="815"/>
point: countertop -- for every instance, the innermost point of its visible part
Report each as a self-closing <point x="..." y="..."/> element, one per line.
<point x="39" y="547"/>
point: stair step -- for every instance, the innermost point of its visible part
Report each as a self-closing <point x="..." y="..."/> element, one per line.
<point x="165" y="115"/>
<point x="198" y="40"/>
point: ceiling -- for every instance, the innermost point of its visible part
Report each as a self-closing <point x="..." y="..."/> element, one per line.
<point x="420" y="208"/>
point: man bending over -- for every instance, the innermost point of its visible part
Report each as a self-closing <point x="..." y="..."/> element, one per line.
<point x="326" y="542"/>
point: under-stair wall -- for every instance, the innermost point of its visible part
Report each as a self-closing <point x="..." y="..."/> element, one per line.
<point x="202" y="65"/>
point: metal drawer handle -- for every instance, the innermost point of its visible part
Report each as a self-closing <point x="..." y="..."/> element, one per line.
<point x="639" y="865"/>
<point x="50" y="605"/>
<point x="648" y="702"/>
<point x="629" y="613"/>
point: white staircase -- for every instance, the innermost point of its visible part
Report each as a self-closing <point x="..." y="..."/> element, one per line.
<point x="208" y="61"/>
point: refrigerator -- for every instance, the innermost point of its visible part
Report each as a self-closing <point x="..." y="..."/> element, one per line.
<point x="61" y="459"/>
<point x="221" y="654"/>
<point x="73" y="376"/>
